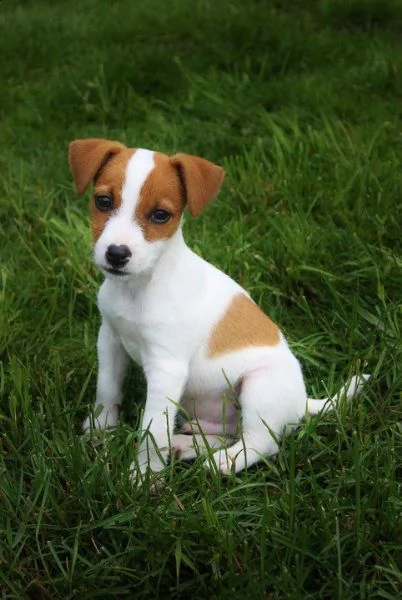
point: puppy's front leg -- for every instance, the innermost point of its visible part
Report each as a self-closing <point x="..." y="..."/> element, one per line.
<point x="165" y="385"/>
<point x="112" y="363"/>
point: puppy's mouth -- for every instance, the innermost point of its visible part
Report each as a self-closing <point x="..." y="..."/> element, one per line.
<point x="117" y="272"/>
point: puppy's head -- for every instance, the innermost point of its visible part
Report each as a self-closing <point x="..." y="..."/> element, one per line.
<point x="138" y="199"/>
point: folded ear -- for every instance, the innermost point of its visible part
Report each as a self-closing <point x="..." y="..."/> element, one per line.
<point x="200" y="178"/>
<point x="86" y="157"/>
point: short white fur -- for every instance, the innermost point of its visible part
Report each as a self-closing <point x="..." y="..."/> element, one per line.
<point x="161" y="314"/>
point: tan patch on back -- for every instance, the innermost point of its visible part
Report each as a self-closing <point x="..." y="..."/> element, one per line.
<point x="109" y="181"/>
<point x="242" y="326"/>
<point x="161" y="190"/>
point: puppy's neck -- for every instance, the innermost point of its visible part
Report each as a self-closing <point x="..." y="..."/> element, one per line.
<point x="170" y="261"/>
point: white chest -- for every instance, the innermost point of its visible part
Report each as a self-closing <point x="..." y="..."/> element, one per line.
<point x="123" y="312"/>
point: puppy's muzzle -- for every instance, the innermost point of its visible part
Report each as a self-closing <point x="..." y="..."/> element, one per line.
<point x="117" y="256"/>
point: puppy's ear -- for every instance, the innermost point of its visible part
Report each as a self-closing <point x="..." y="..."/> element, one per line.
<point x="200" y="178"/>
<point x="86" y="157"/>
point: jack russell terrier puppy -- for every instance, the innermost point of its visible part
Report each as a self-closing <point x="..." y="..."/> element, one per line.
<point x="210" y="356"/>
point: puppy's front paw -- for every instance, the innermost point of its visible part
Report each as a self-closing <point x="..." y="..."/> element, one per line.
<point x="148" y="466"/>
<point x="146" y="476"/>
<point x="106" y="418"/>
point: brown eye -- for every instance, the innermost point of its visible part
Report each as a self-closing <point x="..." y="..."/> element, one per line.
<point x="104" y="202"/>
<point x="159" y="216"/>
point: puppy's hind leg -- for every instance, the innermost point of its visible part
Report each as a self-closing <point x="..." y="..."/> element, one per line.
<point x="269" y="401"/>
<point x="187" y="446"/>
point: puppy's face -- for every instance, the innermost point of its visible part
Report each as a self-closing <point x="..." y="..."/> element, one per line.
<point x="138" y="200"/>
<point x="137" y="206"/>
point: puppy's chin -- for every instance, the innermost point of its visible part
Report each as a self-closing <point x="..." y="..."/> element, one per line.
<point x="131" y="272"/>
<point x="115" y="273"/>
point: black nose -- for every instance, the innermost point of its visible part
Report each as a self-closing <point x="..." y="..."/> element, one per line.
<point x="118" y="256"/>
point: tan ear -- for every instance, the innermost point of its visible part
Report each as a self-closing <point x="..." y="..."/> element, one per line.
<point x="86" y="157"/>
<point x="201" y="180"/>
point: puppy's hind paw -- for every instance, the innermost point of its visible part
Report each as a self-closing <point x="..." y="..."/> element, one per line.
<point x="221" y="462"/>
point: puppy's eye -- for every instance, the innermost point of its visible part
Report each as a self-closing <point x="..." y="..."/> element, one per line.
<point x="104" y="202"/>
<point x="159" y="216"/>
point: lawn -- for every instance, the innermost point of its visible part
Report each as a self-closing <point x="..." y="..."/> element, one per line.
<point x="301" y="103"/>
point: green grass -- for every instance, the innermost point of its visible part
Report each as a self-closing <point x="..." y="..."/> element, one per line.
<point x="301" y="103"/>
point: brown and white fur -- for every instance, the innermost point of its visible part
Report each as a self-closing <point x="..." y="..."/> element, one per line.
<point x="208" y="352"/>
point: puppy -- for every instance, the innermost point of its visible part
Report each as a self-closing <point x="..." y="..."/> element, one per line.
<point x="219" y="372"/>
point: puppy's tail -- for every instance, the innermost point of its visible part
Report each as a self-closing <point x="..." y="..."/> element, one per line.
<point x="315" y="406"/>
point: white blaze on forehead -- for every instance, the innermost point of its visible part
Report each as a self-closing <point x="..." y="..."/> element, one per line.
<point x="138" y="168"/>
